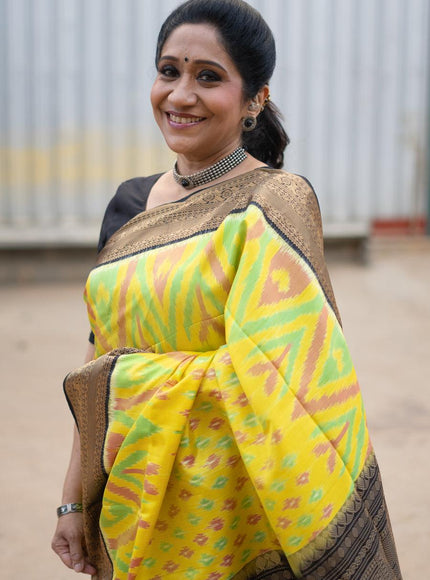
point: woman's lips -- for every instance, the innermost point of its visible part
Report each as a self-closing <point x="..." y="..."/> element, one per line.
<point x="184" y="120"/>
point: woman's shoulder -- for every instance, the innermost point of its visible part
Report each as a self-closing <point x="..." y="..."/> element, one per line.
<point x="289" y="197"/>
<point x="287" y="179"/>
<point x="129" y="200"/>
<point x="136" y="188"/>
<point x="291" y="186"/>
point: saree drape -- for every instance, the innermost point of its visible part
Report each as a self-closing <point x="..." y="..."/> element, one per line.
<point x="222" y="427"/>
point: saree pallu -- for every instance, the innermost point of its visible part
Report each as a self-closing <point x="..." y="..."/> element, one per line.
<point x="222" y="429"/>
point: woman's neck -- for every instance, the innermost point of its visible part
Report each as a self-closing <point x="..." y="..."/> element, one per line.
<point x="187" y="165"/>
<point x="166" y="189"/>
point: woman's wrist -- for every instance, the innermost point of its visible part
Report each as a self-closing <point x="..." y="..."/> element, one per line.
<point x="72" y="493"/>
<point x="69" y="508"/>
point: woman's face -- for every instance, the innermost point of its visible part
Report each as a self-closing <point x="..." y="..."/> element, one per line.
<point x="197" y="97"/>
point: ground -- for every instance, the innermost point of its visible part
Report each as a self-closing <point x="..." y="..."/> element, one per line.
<point x="385" y="308"/>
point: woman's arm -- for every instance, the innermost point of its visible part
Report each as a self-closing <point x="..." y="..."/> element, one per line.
<point x="68" y="540"/>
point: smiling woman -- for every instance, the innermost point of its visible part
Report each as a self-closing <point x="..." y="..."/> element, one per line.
<point x="220" y="427"/>
<point x="199" y="105"/>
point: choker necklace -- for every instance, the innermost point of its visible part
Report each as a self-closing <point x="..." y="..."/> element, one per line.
<point x="210" y="173"/>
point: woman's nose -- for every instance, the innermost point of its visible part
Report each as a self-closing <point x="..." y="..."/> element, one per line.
<point x="182" y="93"/>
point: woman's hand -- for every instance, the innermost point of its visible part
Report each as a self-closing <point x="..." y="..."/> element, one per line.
<point x="68" y="543"/>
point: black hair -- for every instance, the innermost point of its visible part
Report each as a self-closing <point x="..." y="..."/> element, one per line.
<point x="250" y="44"/>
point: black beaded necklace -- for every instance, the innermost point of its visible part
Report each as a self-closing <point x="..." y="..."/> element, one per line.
<point x="219" y="168"/>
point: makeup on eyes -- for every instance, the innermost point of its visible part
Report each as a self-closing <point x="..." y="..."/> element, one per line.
<point x="205" y="75"/>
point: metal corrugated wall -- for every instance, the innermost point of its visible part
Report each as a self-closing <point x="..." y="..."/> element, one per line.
<point x="75" y="117"/>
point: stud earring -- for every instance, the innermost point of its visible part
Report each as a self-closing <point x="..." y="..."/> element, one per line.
<point x="249" y="123"/>
<point x="266" y="102"/>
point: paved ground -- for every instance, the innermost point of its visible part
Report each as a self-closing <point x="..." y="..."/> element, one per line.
<point x="386" y="315"/>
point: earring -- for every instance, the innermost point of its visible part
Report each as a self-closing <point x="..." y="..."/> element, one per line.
<point x="249" y="123"/>
<point x="266" y="102"/>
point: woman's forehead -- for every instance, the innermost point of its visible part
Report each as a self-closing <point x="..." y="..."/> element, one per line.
<point x="197" y="41"/>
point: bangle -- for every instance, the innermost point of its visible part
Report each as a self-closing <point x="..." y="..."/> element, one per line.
<point x="69" y="508"/>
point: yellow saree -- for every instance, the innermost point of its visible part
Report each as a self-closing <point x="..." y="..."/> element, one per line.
<point x="222" y="429"/>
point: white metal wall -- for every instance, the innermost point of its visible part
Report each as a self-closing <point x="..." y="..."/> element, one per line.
<point x="75" y="118"/>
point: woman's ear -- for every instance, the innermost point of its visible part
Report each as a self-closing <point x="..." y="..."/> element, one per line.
<point x="257" y="103"/>
<point x="263" y="96"/>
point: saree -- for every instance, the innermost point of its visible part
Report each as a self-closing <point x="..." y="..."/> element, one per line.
<point x="222" y="428"/>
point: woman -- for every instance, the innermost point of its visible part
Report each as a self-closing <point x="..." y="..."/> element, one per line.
<point x="221" y="430"/>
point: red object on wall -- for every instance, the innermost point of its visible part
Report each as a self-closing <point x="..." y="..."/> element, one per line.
<point x="399" y="226"/>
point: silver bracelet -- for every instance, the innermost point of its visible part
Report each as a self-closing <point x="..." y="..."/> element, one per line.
<point x="69" y="508"/>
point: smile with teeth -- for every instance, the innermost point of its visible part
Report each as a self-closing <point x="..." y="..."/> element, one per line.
<point x="185" y="120"/>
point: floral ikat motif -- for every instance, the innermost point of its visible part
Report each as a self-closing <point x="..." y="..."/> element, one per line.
<point x="222" y="421"/>
<point x="243" y="431"/>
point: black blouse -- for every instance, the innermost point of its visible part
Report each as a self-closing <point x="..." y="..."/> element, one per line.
<point x="129" y="200"/>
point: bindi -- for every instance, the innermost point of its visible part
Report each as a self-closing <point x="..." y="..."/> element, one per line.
<point x="186" y="59"/>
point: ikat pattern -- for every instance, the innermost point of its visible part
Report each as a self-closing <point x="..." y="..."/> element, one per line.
<point x="222" y="429"/>
<point x="241" y="431"/>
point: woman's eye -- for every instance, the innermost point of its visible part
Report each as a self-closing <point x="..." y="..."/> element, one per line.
<point x="168" y="71"/>
<point x="208" y="76"/>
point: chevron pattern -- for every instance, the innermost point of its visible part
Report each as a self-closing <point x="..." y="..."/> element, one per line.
<point x="240" y="430"/>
